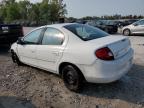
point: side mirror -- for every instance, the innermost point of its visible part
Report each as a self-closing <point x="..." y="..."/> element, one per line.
<point x="135" y="24"/>
<point x="20" y="41"/>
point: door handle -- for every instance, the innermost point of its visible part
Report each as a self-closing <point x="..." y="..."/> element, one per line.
<point x="33" y="51"/>
<point x="56" y="53"/>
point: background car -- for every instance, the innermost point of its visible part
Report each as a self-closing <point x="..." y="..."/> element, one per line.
<point x="128" y="22"/>
<point x="106" y="25"/>
<point x="135" y="28"/>
<point x="76" y="52"/>
<point x="9" y="33"/>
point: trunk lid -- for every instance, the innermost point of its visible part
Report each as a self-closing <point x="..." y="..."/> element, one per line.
<point x="119" y="45"/>
<point x="120" y="48"/>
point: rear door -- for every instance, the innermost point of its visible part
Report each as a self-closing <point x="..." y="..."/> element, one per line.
<point x="51" y="49"/>
<point x="27" y="51"/>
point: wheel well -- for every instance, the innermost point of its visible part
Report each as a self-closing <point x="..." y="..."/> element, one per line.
<point x="12" y="51"/>
<point x="126" y="29"/>
<point x="62" y="65"/>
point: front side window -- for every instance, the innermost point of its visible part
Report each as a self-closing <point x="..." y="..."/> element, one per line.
<point x="86" y="32"/>
<point x="141" y="22"/>
<point x="33" y="37"/>
<point x="52" y="36"/>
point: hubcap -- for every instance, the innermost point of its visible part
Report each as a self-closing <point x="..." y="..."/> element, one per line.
<point x="126" y="32"/>
<point x="14" y="58"/>
<point x="70" y="78"/>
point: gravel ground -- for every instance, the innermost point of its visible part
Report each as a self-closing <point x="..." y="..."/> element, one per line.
<point x="28" y="87"/>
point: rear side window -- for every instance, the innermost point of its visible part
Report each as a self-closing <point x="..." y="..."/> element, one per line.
<point x="86" y="32"/>
<point x="53" y="36"/>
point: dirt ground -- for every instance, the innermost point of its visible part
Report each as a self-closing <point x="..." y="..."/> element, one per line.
<point x="28" y="87"/>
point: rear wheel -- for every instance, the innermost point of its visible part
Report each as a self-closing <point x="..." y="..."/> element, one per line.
<point x="72" y="78"/>
<point x="15" y="58"/>
<point x="126" y="32"/>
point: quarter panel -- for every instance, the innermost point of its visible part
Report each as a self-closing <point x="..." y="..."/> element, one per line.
<point x="78" y="51"/>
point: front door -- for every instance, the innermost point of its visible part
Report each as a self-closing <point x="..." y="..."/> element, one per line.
<point x="27" y="51"/>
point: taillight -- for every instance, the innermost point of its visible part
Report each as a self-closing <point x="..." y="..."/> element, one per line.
<point x="104" y="54"/>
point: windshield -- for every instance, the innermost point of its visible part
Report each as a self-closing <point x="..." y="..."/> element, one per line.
<point x="86" y="32"/>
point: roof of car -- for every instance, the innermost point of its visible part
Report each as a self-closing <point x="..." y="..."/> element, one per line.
<point x="57" y="25"/>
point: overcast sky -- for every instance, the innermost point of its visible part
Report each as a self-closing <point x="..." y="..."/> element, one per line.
<point x="80" y="8"/>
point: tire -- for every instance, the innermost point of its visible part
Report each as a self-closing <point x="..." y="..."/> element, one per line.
<point x="126" y="32"/>
<point x="15" y="59"/>
<point x="72" y="78"/>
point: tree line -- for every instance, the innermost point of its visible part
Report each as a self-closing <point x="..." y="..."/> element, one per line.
<point x="25" y="12"/>
<point x="107" y="17"/>
<point x="114" y="17"/>
<point x="46" y="12"/>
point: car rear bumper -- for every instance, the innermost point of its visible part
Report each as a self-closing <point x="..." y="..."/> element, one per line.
<point x="108" y="71"/>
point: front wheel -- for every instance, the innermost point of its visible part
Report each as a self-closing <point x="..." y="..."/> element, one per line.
<point x="15" y="58"/>
<point x="72" y="78"/>
<point x="126" y="32"/>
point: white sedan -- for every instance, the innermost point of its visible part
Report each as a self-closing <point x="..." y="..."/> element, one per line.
<point x="135" y="28"/>
<point x="76" y="52"/>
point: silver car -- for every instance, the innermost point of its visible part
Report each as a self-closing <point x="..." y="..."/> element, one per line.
<point x="135" y="28"/>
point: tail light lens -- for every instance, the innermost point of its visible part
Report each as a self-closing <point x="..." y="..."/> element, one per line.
<point x="104" y="54"/>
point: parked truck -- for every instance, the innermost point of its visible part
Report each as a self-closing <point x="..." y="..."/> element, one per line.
<point x="9" y="33"/>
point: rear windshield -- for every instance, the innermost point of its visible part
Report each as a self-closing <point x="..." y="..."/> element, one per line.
<point x="86" y="32"/>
